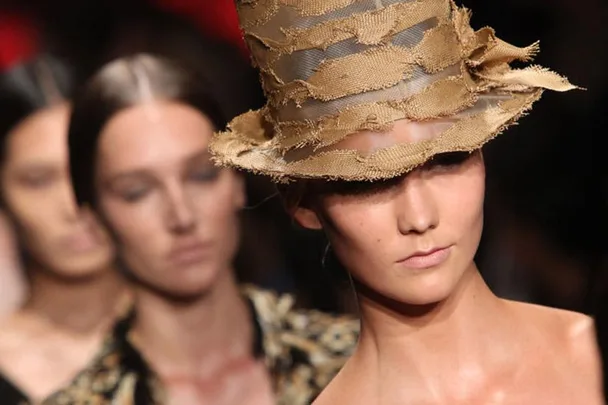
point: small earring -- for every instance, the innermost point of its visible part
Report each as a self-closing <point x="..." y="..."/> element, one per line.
<point x="325" y="254"/>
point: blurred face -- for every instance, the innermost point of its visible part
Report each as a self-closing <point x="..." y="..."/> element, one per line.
<point x="174" y="213"/>
<point x="37" y="193"/>
<point x="409" y="239"/>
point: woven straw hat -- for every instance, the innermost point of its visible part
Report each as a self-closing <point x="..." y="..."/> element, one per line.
<point x="339" y="74"/>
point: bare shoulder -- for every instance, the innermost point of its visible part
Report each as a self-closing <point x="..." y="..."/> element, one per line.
<point x="582" y="343"/>
<point x="573" y="335"/>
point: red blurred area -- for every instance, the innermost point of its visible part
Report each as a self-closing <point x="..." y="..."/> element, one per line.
<point x="19" y="39"/>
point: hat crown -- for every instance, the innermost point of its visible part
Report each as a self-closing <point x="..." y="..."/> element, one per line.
<point x="318" y="57"/>
<point x="338" y="69"/>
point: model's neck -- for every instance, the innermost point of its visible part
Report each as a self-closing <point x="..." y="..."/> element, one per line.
<point x="84" y="306"/>
<point x="384" y="318"/>
<point x="437" y="343"/>
<point x="194" y="338"/>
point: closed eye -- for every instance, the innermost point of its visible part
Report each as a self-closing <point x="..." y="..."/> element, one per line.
<point x="204" y="175"/>
<point x="133" y="194"/>
<point x="131" y="187"/>
<point x="447" y="160"/>
<point x="38" y="178"/>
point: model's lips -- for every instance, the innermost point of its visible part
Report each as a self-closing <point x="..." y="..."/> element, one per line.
<point x="190" y="253"/>
<point x="426" y="259"/>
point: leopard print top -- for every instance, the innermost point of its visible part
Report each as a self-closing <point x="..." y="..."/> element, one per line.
<point x="303" y="351"/>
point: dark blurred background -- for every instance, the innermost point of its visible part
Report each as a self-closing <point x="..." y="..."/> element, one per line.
<point x="546" y="213"/>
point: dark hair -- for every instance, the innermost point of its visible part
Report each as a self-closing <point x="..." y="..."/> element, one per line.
<point x="235" y="82"/>
<point x="32" y="86"/>
<point x="121" y="84"/>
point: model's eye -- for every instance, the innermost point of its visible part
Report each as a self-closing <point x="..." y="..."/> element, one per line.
<point x="447" y="160"/>
<point x="204" y="175"/>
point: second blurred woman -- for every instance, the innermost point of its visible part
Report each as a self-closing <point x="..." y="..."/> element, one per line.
<point x="139" y="136"/>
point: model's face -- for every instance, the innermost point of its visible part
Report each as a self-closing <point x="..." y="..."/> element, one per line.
<point x="175" y="214"/>
<point x="409" y="239"/>
<point x="37" y="193"/>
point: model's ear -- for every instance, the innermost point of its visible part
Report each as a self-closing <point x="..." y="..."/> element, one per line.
<point x="298" y="206"/>
<point x="306" y="217"/>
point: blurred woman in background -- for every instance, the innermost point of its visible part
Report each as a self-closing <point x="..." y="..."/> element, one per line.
<point x="75" y="294"/>
<point x="12" y="282"/>
<point x="138" y="155"/>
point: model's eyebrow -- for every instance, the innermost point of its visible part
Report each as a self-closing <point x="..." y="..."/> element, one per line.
<point x="35" y="166"/>
<point x="198" y="156"/>
<point x="129" y="175"/>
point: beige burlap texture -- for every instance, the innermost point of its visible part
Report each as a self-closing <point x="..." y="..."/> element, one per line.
<point x="334" y="68"/>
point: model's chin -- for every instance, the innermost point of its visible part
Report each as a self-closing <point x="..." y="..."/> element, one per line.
<point x="426" y="295"/>
<point x="84" y="266"/>
<point x="417" y="288"/>
<point x="185" y="284"/>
